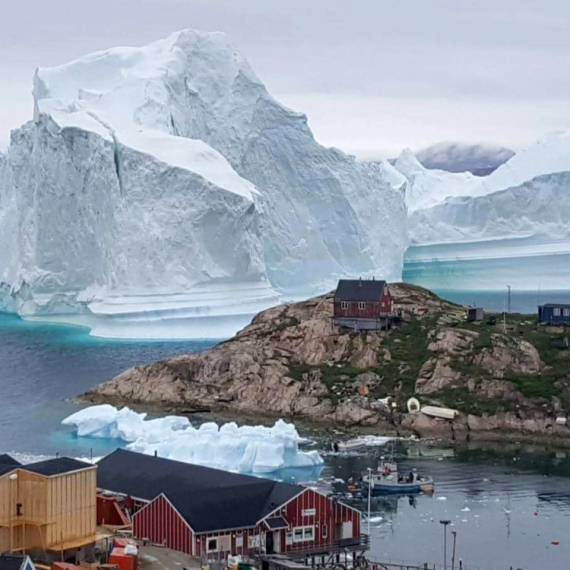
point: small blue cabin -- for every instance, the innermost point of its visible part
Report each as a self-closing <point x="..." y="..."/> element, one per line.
<point x="554" y="314"/>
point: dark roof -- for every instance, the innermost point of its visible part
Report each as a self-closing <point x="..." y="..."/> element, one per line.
<point x="11" y="562"/>
<point x="57" y="466"/>
<point x="275" y="523"/>
<point x="7" y="464"/>
<point x="359" y="290"/>
<point x="556" y="306"/>
<point x="6" y="459"/>
<point x="208" y="499"/>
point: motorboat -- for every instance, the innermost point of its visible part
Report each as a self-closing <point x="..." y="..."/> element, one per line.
<point x="388" y="480"/>
<point x="349" y="445"/>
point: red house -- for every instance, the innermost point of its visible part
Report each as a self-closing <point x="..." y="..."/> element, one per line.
<point x="211" y="514"/>
<point x="362" y="305"/>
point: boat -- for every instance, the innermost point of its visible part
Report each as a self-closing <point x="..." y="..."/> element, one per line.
<point x="349" y="445"/>
<point x="442" y="413"/>
<point x="387" y="480"/>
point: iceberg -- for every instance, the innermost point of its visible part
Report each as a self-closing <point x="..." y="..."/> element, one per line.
<point x="245" y="449"/>
<point x="510" y="228"/>
<point x="162" y="191"/>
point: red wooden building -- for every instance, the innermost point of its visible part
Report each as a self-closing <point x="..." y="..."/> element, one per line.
<point x="212" y="514"/>
<point x="362" y="305"/>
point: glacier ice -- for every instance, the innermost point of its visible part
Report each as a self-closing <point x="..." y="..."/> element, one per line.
<point x="161" y="187"/>
<point x="246" y="449"/>
<point x="510" y="228"/>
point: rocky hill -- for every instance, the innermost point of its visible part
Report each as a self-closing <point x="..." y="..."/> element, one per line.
<point x="290" y="361"/>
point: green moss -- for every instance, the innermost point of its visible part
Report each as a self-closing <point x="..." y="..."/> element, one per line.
<point x="292" y="322"/>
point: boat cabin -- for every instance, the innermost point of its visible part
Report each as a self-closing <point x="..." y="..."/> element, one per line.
<point x="362" y="305"/>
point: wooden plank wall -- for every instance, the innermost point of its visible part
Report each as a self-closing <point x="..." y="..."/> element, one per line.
<point x="71" y="506"/>
<point x="59" y="509"/>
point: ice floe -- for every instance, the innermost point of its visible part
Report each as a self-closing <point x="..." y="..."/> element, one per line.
<point x="246" y="449"/>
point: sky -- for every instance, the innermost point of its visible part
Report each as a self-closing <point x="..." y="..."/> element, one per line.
<point x="373" y="76"/>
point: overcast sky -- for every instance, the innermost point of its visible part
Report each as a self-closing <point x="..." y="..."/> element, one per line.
<point x="372" y="76"/>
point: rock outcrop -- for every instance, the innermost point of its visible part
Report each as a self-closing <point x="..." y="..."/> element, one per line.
<point x="291" y="361"/>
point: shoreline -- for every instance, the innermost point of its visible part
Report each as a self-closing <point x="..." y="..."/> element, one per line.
<point x="221" y="414"/>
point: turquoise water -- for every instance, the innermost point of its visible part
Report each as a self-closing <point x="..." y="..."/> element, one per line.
<point x="43" y="366"/>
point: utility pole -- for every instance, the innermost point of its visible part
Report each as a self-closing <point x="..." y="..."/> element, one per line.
<point x="445" y="523"/>
<point x="509" y="298"/>
<point x="454" y="533"/>
<point x="369" y="494"/>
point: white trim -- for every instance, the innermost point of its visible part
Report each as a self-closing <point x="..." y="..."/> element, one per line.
<point x="303" y="529"/>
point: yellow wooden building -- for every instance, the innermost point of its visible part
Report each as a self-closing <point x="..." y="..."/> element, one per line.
<point x="49" y="506"/>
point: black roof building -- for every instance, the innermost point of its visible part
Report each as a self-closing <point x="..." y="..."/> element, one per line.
<point x="57" y="466"/>
<point x="14" y="562"/>
<point x="359" y="290"/>
<point x="208" y="499"/>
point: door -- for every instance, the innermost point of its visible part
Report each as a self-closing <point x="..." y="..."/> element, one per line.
<point x="345" y="530"/>
<point x="269" y="542"/>
<point x="277" y="541"/>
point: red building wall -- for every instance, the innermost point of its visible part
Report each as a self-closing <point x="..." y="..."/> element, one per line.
<point x="161" y="524"/>
<point x="372" y="310"/>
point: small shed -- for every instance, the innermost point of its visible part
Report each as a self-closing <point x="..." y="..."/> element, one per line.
<point x="554" y="314"/>
<point x="474" y="314"/>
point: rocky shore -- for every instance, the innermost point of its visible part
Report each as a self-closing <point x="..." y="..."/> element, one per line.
<point x="506" y="382"/>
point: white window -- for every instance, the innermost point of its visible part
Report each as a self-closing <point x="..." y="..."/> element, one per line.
<point x="303" y="533"/>
<point x="557" y="312"/>
<point x="212" y="545"/>
<point x="567" y="312"/>
<point x="361" y="305"/>
<point x="344" y="304"/>
<point x="239" y="541"/>
<point x="225" y="543"/>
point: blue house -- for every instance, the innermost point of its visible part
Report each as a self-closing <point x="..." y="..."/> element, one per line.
<point x="554" y="314"/>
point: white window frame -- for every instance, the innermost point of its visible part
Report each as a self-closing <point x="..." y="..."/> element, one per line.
<point x="307" y="533"/>
<point x="215" y="539"/>
<point x="344" y="304"/>
<point x="556" y="312"/>
<point x="361" y="305"/>
<point x="566" y="312"/>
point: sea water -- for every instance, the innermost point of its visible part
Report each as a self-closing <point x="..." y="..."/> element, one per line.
<point x="507" y="503"/>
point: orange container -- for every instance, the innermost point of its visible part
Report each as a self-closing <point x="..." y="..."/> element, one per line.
<point x="122" y="560"/>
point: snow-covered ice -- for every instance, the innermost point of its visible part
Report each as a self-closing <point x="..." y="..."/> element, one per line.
<point x="160" y="190"/>
<point x="508" y="227"/>
<point x="246" y="449"/>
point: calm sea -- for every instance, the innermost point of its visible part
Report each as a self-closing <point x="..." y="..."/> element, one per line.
<point x="506" y="503"/>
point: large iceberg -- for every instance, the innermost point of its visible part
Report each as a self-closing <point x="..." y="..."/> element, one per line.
<point x="510" y="228"/>
<point x="246" y="449"/>
<point x="163" y="187"/>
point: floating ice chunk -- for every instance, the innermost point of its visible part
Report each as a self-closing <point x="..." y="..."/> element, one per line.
<point x="246" y="449"/>
<point x="442" y="498"/>
<point x="376" y="519"/>
<point x="466" y="510"/>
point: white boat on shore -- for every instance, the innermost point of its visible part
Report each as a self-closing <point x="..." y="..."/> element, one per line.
<point x="442" y="413"/>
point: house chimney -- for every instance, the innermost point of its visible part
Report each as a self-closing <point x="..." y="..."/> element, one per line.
<point x="360" y="281"/>
<point x="156" y="453"/>
<point x="373" y="278"/>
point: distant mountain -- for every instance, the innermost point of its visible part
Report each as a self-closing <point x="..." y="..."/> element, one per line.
<point x="480" y="159"/>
